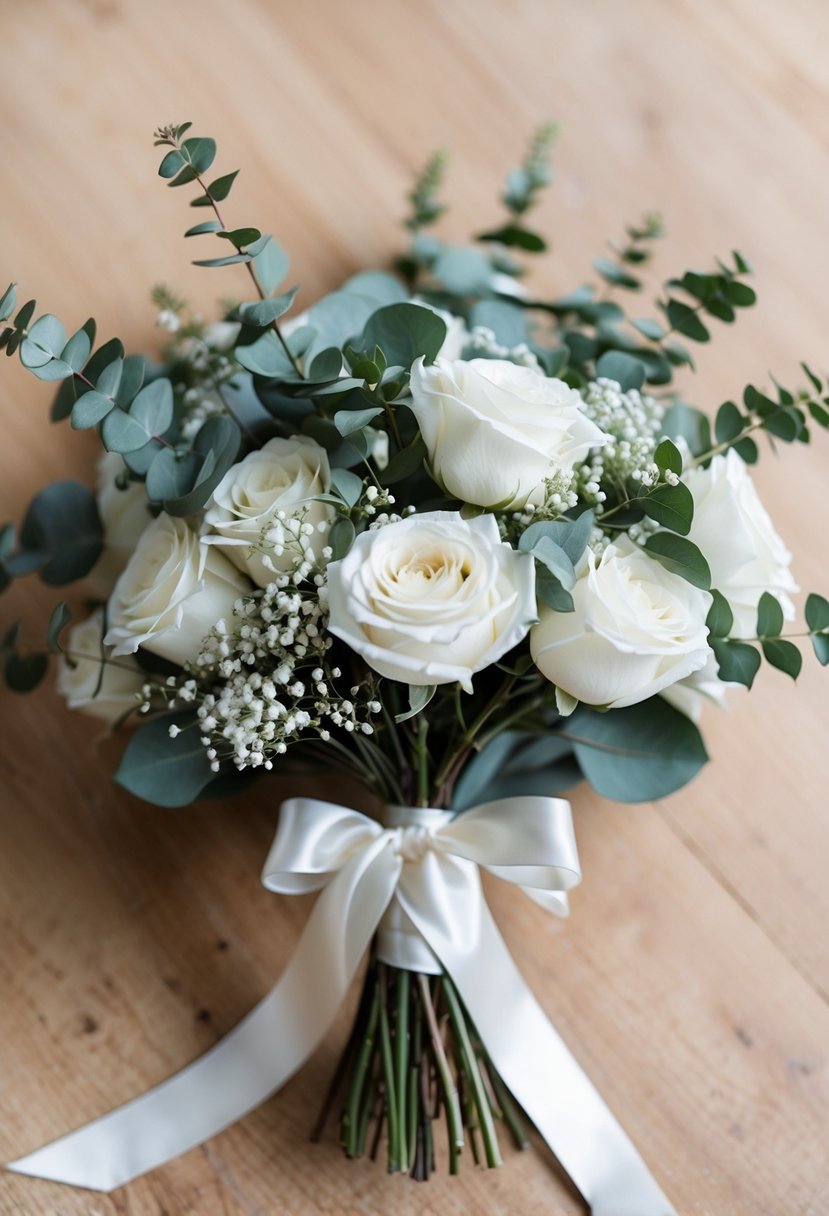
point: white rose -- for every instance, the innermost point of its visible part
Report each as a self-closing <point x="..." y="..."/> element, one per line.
<point x="432" y="599"/>
<point x="636" y="628"/>
<point x="124" y="515"/>
<point x="495" y="431"/>
<point x="172" y="592"/>
<point x="285" y="475"/>
<point x="106" y="694"/>
<point x="690" y="695"/>
<point x="733" y="530"/>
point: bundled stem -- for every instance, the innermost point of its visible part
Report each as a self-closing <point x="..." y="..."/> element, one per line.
<point x="411" y="1052"/>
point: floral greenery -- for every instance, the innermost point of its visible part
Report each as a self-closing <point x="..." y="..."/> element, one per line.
<point x="343" y="378"/>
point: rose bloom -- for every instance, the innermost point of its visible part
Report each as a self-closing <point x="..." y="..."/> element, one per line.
<point x="732" y="528"/>
<point x="172" y="592"/>
<point x="432" y="599"/>
<point x="284" y="475"/>
<point x="124" y="515"/>
<point x="106" y="694"/>
<point x="636" y="628"/>
<point x="495" y="431"/>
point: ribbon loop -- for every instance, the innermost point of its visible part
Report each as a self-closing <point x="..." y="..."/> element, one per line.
<point x="416" y="882"/>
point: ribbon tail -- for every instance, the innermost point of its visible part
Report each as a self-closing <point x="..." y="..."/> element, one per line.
<point x="527" y="1051"/>
<point x="251" y="1062"/>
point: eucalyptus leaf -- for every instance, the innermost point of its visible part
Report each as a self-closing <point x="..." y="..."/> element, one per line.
<point x="769" y="616"/>
<point x="670" y="506"/>
<point x="165" y="771"/>
<point x="636" y="754"/>
<point x="63" y="524"/>
<point x="264" y="312"/>
<point x="738" y="662"/>
<point x="404" y="333"/>
<point x="419" y="697"/>
<point x="681" y="556"/>
<point x="783" y="655"/>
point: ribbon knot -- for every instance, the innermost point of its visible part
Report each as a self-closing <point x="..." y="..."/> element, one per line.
<point x="411" y="843"/>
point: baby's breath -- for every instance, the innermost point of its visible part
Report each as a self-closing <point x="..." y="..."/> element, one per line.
<point x="633" y="422"/>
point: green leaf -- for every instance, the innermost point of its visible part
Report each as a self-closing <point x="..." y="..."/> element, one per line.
<point x="25" y="315"/>
<point x="667" y="457"/>
<point x="817" y="612"/>
<point x="219" y="189"/>
<point x="348" y="485"/>
<point x="349" y="421"/>
<point x="636" y="754"/>
<point x="76" y="351"/>
<point x="514" y="236"/>
<point x="553" y="557"/>
<point x="122" y="433"/>
<point x="671" y="506"/>
<point x="404" y="332"/>
<point x="270" y="266"/>
<point x="63" y="524"/>
<point x="628" y="371"/>
<point x="240" y="237"/>
<point x="262" y="313"/>
<point x="24" y="672"/>
<point x="720" y="619"/>
<point x="233" y="259"/>
<point x="132" y="378"/>
<point x="110" y="378"/>
<point x="729" y="422"/>
<point x="738" y="662"/>
<point x="784" y="656"/>
<point x="549" y="591"/>
<point x="464" y="272"/>
<point x="747" y="450"/>
<point x="684" y="422"/>
<point x="199" y="152"/>
<point x="57" y="623"/>
<point x="419" y="697"/>
<point x="680" y="556"/>
<point x="172" y="474"/>
<point x="685" y="321"/>
<point x="571" y="534"/>
<point x="172" y="164"/>
<point x="820" y="644"/>
<point x="8" y="301"/>
<point x="769" y="616"/>
<point x="90" y="409"/>
<point x="341" y="537"/>
<point x="615" y="274"/>
<point x="405" y="462"/>
<point x="784" y="423"/>
<point x="649" y="328"/>
<point x="327" y="365"/>
<point x="153" y="408"/>
<point x="44" y="341"/>
<point x="201" y="229"/>
<point x="165" y="771"/>
<point x="55" y="369"/>
<point x="507" y="321"/>
<point x="217" y="442"/>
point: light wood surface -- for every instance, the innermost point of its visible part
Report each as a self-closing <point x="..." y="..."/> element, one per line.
<point x="692" y="978"/>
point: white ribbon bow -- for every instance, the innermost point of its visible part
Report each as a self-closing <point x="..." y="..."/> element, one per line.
<point x="417" y="881"/>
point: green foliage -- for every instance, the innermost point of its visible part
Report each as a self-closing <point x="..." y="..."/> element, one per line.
<point x="769" y="616"/>
<point x="419" y="697"/>
<point x="738" y="662"/>
<point x="404" y="333"/>
<point x="62" y="532"/>
<point x="636" y="754"/>
<point x="426" y="207"/>
<point x="557" y="546"/>
<point x="263" y="313"/>
<point x="164" y="771"/>
<point x="671" y="506"/>
<point x="784" y="656"/>
<point x="525" y="183"/>
<point x="680" y="556"/>
<point x="720" y="619"/>
<point x="628" y="371"/>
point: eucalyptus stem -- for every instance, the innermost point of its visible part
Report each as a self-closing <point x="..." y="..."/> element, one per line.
<point x="422" y="761"/>
<point x="454" y="1121"/>
<point x="352" y="1111"/>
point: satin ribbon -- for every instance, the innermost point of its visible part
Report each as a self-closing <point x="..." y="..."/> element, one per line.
<point x="417" y="881"/>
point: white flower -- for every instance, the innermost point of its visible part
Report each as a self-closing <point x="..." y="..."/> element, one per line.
<point x="172" y="592"/>
<point x="636" y="629"/>
<point x="733" y="530"/>
<point x="495" y="431"/>
<point x="103" y="692"/>
<point x="124" y="515"/>
<point x="221" y="335"/>
<point x="432" y="599"/>
<point x="285" y="475"/>
<point x="690" y="695"/>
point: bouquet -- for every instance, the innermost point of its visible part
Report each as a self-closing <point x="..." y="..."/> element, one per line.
<point x="443" y="536"/>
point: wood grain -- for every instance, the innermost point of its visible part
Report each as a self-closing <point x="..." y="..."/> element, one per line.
<point x="692" y="978"/>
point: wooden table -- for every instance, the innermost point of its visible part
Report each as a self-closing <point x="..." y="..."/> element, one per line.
<point x="692" y="978"/>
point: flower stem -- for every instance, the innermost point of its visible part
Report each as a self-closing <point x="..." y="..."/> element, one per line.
<point x="401" y="1060"/>
<point x="454" y="1121"/>
<point x="473" y="1073"/>
<point x="388" y="1072"/>
<point x="352" y="1111"/>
